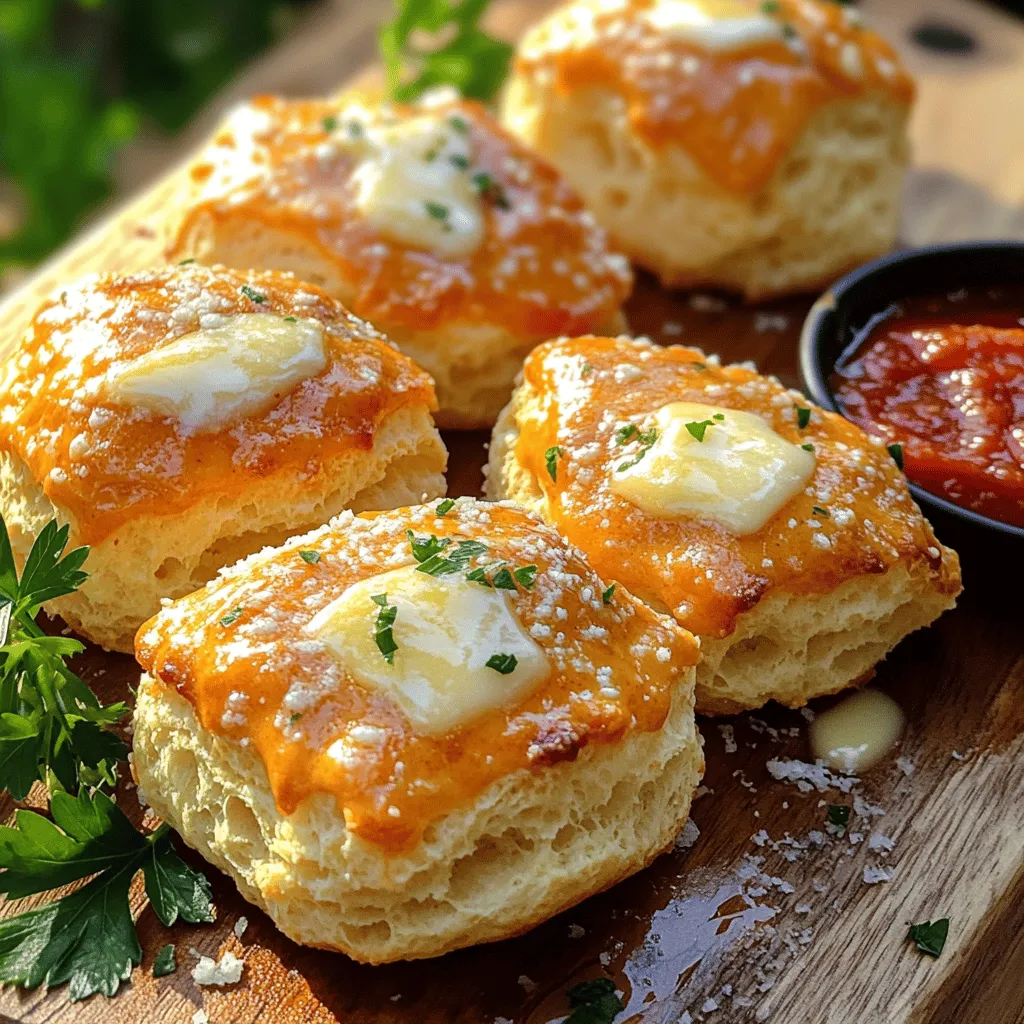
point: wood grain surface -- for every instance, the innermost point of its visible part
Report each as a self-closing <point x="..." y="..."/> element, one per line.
<point x="711" y="930"/>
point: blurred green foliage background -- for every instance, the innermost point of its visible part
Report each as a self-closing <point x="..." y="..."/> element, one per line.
<point x="79" y="79"/>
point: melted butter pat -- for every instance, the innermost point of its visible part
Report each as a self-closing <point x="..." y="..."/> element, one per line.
<point x="714" y="24"/>
<point x="414" y="184"/>
<point x="222" y="374"/>
<point x="739" y="475"/>
<point x="446" y="629"/>
<point x="857" y="733"/>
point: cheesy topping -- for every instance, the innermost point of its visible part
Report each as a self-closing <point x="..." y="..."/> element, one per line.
<point x="429" y="213"/>
<point x="734" y="83"/>
<point x="714" y="24"/>
<point x="283" y="653"/>
<point x="446" y="630"/>
<point x="220" y="375"/>
<point x="72" y="407"/>
<point x="597" y="401"/>
<point x="414" y="184"/>
<point x="714" y="463"/>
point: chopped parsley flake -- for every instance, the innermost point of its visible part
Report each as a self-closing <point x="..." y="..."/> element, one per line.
<point x="819" y="511"/>
<point x="456" y="559"/>
<point x="329" y="123"/>
<point x="699" y="429"/>
<point x="490" y="189"/>
<point x="354" y="129"/>
<point x="459" y="161"/>
<point x="551" y="457"/>
<point x="232" y="616"/>
<point x="896" y="451"/>
<point x="383" y="636"/>
<point x="606" y="595"/>
<point x="808" y="447"/>
<point x="803" y="416"/>
<point x="626" y="433"/>
<point x="594" y="1002"/>
<point x="770" y="6"/>
<point x="310" y="557"/>
<point x="186" y="262"/>
<point x="459" y="124"/>
<point x="587" y="369"/>
<point x="251" y="293"/>
<point x="444" y="507"/>
<point x="838" y="815"/>
<point x="424" y="548"/>
<point x="526" y="576"/>
<point x="291" y="319"/>
<point x="164" y="963"/>
<point x="647" y="439"/>
<point x="439" y="212"/>
<point x="503" y="663"/>
<point x="930" y="936"/>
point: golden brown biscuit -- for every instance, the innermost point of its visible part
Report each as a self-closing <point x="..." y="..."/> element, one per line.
<point x="781" y="534"/>
<point x="182" y="418"/>
<point x="429" y="221"/>
<point x="530" y="741"/>
<point x="757" y="147"/>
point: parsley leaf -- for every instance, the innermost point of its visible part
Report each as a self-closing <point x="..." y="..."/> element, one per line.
<point x="839" y="816"/>
<point x="647" y="439"/>
<point x="51" y="723"/>
<point x="232" y="616"/>
<point x="626" y="433"/>
<point x="803" y="416"/>
<point x="426" y="547"/>
<point x="252" y="294"/>
<point x="699" y="429"/>
<point x="526" y="576"/>
<point x="503" y="663"/>
<point x="456" y="559"/>
<point x="310" y="557"/>
<point x="383" y="636"/>
<point x="896" y="451"/>
<point x="930" y="936"/>
<point x="606" y="595"/>
<point x="444" y="507"/>
<point x="594" y="1002"/>
<point x="808" y="448"/>
<point x="87" y="939"/>
<point x="819" y="511"/>
<point x="165" y="963"/>
<point x="463" y="55"/>
<point x="551" y="457"/>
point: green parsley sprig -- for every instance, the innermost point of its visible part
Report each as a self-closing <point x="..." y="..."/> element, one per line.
<point x="53" y="729"/>
<point x="87" y="939"/>
<point x="457" y="52"/>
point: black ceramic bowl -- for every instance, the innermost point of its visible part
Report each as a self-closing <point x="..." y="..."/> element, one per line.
<point x="838" y="317"/>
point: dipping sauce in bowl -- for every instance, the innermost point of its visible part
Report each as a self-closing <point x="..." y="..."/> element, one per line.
<point x="943" y="378"/>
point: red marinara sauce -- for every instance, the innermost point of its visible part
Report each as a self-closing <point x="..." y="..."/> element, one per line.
<point x="944" y="378"/>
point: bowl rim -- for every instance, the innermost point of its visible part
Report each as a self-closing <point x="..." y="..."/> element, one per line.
<point x="818" y="323"/>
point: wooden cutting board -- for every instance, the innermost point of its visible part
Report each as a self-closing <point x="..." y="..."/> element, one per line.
<point x="712" y="930"/>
